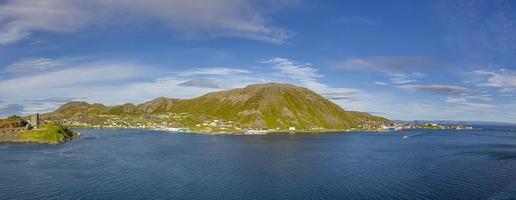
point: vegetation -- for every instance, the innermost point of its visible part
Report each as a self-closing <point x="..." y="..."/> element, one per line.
<point x="47" y="134"/>
<point x="265" y="106"/>
<point x="10" y="127"/>
<point x="12" y="122"/>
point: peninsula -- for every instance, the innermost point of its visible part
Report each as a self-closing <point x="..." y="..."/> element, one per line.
<point x="15" y="129"/>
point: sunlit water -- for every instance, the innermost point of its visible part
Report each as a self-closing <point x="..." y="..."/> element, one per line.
<point x="138" y="164"/>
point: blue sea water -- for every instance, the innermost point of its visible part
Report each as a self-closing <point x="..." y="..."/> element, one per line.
<point x="141" y="164"/>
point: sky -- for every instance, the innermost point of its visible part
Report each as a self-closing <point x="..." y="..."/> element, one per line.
<point x="401" y="59"/>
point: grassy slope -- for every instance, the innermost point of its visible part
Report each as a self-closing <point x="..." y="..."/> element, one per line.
<point x="274" y="105"/>
<point x="268" y="106"/>
<point x="262" y="105"/>
<point x="48" y="134"/>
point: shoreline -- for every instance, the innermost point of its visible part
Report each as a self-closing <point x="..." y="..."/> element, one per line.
<point x="270" y="132"/>
<point x="47" y="134"/>
<point x="231" y="132"/>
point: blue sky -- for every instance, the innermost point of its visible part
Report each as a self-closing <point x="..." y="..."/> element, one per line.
<point x="450" y="60"/>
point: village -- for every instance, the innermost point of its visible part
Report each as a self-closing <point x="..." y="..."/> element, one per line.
<point x="184" y="122"/>
<point x="404" y="126"/>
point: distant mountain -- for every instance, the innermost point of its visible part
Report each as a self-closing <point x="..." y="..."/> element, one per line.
<point x="270" y="105"/>
<point x="454" y="122"/>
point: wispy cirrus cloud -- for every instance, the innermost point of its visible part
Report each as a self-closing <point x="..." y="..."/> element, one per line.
<point x="307" y="75"/>
<point x="503" y="79"/>
<point x="119" y="82"/>
<point x="106" y="82"/>
<point x="402" y="71"/>
<point x="304" y="72"/>
<point x="346" y="94"/>
<point x="390" y="63"/>
<point x="404" y="78"/>
<point x="210" y="71"/>
<point x="410" y="82"/>
<point x="60" y="99"/>
<point x="202" y="83"/>
<point x="92" y="74"/>
<point x="440" y="89"/>
<point x="114" y="82"/>
<point x="190" y="18"/>
<point x="468" y="103"/>
<point x="31" y="106"/>
<point x="33" y="65"/>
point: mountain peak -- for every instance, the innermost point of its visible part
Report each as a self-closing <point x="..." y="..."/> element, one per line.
<point x="272" y="85"/>
<point x="268" y="105"/>
<point x="73" y="105"/>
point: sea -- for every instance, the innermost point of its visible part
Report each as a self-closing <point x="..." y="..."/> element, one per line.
<point x="143" y="164"/>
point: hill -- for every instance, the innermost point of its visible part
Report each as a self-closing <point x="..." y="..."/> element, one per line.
<point x="47" y="134"/>
<point x="265" y="106"/>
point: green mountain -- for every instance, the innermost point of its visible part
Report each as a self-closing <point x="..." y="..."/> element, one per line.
<point x="271" y="105"/>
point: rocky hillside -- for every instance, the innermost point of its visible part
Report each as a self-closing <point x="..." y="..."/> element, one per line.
<point x="269" y="105"/>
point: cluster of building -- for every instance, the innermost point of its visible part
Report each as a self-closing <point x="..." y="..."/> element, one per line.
<point x="173" y="116"/>
<point x="118" y="123"/>
<point x="183" y="122"/>
<point x="437" y="126"/>
<point x="218" y="124"/>
<point x="396" y="126"/>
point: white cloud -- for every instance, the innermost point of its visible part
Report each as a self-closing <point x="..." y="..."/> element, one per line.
<point x="503" y="79"/>
<point x="407" y="81"/>
<point x="219" y="71"/>
<point x="43" y="84"/>
<point x="382" y="83"/>
<point x="300" y="71"/>
<point x="33" y="65"/>
<point x="118" y="82"/>
<point x="468" y="104"/>
<point x="31" y="106"/>
<point x="113" y="82"/>
<point x="390" y="63"/>
<point x="400" y="78"/>
<point x="202" y="83"/>
<point x="191" y="18"/>
<point x="307" y="76"/>
<point x="440" y="89"/>
<point x="21" y="18"/>
<point x="11" y="33"/>
<point x="402" y="72"/>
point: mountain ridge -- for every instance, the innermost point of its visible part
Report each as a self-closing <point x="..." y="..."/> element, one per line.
<point x="264" y="106"/>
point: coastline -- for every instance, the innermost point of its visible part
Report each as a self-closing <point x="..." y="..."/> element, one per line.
<point x="47" y="134"/>
<point x="240" y="132"/>
<point x="268" y="132"/>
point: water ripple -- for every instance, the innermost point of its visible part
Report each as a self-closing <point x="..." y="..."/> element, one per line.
<point x="134" y="164"/>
